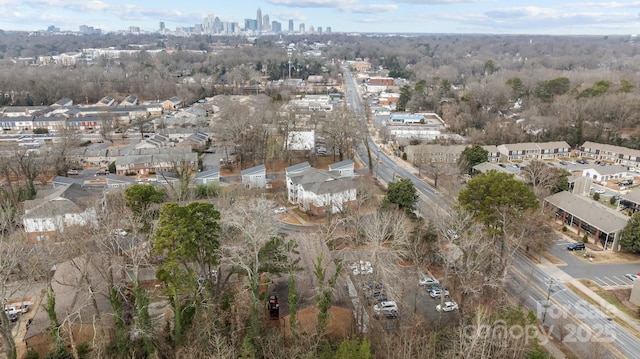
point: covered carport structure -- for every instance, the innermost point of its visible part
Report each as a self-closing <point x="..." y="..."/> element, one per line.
<point x="588" y="216"/>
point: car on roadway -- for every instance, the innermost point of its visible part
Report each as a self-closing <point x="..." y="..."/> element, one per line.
<point x="447" y="307"/>
<point x="632" y="276"/>
<point x="425" y="281"/>
<point x="438" y="292"/>
<point x="599" y="191"/>
<point x="280" y="210"/>
<point x="575" y="246"/>
<point x="386" y="308"/>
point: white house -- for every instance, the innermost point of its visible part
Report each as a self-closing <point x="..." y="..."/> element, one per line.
<point x="208" y="176"/>
<point x="290" y="171"/>
<point x="254" y="177"/>
<point x="320" y="192"/>
<point x="66" y="206"/>
<point x="343" y="168"/>
<point x="605" y="173"/>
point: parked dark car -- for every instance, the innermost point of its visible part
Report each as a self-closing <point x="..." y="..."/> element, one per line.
<point x="575" y="246"/>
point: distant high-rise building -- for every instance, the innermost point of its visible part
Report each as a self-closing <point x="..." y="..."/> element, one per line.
<point x="134" y="29"/>
<point x="265" y="23"/>
<point x="217" y="26"/>
<point x="250" y="25"/>
<point x="301" y="28"/>
<point x="208" y="23"/>
<point x="259" y="19"/>
<point x="53" y="28"/>
<point x="312" y="30"/>
<point x="162" y="28"/>
<point x="290" y="25"/>
<point x="328" y="29"/>
<point x="319" y="30"/>
<point x="276" y="26"/>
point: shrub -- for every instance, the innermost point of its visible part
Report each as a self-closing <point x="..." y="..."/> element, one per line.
<point x="585" y="238"/>
<point x="596" y="196"/>
<point x="404" y="156"/>
<point x="612" y="200"/>
<point x="564" y="228"/>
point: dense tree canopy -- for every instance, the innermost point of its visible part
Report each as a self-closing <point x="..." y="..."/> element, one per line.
<point x="472" y="156"/>
<point x="402" y="194"/>
<point x="497" y="199"/>
<point x="630" y="236"/>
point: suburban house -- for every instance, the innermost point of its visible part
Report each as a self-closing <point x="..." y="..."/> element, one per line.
<point x="609" y="153"/>
<point x="605" y="173"/>
<point x="155" y="141"/>
<point x="55" y="210"/>
<point x="81" y="291"/>
<point x="208" y="176"/>
<point x="598" y="221"/>
<point x="254" y="177"/>
<point x="320" y="192"/>
<point x="106" y="101"/>
<point x="343" y="168"/>
<point x="173" y="103"/>
<point x="534" y="150"/>
<point x="196" y="141"/>
<point x="129" y="101"/>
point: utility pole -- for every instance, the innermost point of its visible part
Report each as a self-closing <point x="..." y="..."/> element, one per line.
<point x="546" y="305"/>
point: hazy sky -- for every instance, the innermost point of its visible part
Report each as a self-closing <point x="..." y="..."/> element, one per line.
<point x="391" y="16"/>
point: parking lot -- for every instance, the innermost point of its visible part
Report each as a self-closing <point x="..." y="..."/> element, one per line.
<point x="399" y="284"/>
<point x="604" y="274"/>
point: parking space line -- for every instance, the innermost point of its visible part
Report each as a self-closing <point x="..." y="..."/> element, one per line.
<point x="610" y="280"/>
<point x="600" y="281"/>
<point x="620" y="281"/>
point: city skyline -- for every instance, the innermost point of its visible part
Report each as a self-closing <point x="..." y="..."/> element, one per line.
<point x="390" y="16"/>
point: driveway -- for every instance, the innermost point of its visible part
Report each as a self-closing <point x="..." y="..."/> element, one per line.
<point x="605" y="274"/>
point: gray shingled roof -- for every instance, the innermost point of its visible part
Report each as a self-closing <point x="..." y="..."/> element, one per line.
<point x="341" y="164"/>
<point x="592" y="212"/>
<point x="297" y="168"/>
<point x="633" y="196"/>
<point x="254" y="170"/>
<point x="215" y="171"/>
<point x="320" y="182"/>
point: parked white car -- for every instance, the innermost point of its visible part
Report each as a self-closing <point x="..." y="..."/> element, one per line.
<point x="447" y="307"/>
<point x="280" y="210"/>
<point x="437" y="292"/>
<point x="425" y="281"/>
<point x="632" y="276"/>
<point x="389" y="308"/>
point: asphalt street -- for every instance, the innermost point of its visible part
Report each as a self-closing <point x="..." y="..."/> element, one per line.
<point x="591" y="326"/>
